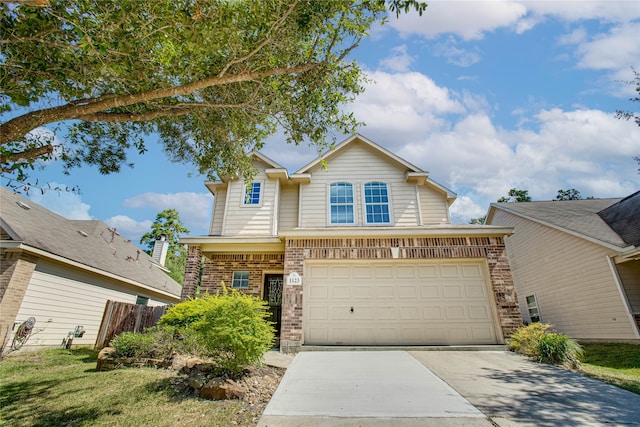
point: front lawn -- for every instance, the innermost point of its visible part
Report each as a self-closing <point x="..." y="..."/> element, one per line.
<point x="62" y="387"/>
<point x="617" y="364"/>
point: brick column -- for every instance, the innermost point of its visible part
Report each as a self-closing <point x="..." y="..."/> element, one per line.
<point x="504" y="290"/>
<point x="291" y="333"/>
<point x="16" y="269"/>
<point x="191" y="272"/>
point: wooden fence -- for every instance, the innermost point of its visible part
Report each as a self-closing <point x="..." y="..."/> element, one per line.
<point x="124" y="317"/>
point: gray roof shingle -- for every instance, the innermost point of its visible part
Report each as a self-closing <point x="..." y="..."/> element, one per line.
<point x="578" y="216"/>
<point x="88" y="242"/>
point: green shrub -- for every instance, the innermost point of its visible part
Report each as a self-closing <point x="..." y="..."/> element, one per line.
<point x="231" y="328"/>
<point x="539" y="342"/>
<point x="133" y="344"/>
<point x="525" y="340"/>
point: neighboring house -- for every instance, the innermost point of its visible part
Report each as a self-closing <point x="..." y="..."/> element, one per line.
<point x="576" y="264"/>
<point x="63" y="271"/>
<point x="356" y="248"/>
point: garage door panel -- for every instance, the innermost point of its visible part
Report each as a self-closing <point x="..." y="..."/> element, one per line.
<point x="396" y="303"/>
<point x="448" y="271"/>
<point x="452" y="291"/>
<point x="384" y="291"/>
<point x="340" y="292"/>
<point x="408" y="291"/>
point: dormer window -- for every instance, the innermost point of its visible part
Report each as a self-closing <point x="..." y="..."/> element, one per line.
<point x="376" y="199"/>
<point x="252" y="193"/>
<point x="341" y="201"/>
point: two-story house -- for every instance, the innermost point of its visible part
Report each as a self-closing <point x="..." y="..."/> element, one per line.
<point x="356" y="248"/>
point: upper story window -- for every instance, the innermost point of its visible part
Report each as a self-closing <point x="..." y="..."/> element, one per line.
<point x="341" y="201"/>
<point x="376" y="200"/>
<point x="252" y="193"/>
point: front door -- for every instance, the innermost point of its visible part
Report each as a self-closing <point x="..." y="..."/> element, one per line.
<point x="273" y="297"/>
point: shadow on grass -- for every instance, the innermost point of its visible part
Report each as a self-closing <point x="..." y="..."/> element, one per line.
<point x="174" y="388"/>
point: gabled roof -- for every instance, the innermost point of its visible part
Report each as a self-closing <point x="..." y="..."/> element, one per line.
<point x="267" y="160"/>
<point x="577" y="217"/>
<point x="411" y="169"/>
<point x="88" y="243"/>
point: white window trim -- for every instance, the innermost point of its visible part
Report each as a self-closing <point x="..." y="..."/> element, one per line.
<point x="537" y="307"/>
<point x="233" y="277"/>
<point x="355" y="205"/>
<point x="364" y="206"/>
<point x="244" y="194"/>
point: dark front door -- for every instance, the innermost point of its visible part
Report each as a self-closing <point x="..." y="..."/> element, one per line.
<point x="273" y="297"/>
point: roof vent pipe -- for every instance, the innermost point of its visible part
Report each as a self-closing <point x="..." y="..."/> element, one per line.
<point x="160" y="248"/>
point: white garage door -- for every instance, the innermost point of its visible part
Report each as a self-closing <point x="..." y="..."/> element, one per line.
<point x="397" y="303"/>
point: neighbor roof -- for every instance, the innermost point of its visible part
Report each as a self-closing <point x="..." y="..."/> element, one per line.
<point x="624" y="218"/>
<point x="574" y="216"/>
<point x="87" y="242"/>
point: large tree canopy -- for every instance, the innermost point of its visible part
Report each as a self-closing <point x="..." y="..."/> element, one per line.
<point x="213" y="78"/>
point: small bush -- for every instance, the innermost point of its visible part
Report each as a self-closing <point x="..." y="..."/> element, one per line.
<point x="231" y="328"/>
<point x="525" y="339"/>
<point x="133" y="344"/>
<point x="539" y="342"/>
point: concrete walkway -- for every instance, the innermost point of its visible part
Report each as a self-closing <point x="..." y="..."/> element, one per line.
<point x="366" y="389"/>
<point x="441" y="388"/>
<point x="514" y="391"/>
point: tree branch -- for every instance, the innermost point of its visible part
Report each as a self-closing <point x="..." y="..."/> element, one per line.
<point x="17" y="127"/>
<point x="27" y="154"/>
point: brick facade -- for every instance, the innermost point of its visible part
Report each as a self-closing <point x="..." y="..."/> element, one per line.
<point x="490" y="248"/>
<point x="219" y="268"/>
<point x="16" y="269"/>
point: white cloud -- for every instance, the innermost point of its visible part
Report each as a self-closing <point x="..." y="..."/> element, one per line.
<point x="404" y="106"/>
<point x="469" y="20"/>
<point x="455" y="55"/>
<point x="619" y="48"/>
<point x="129" y="227"/>
<point x="399" y="61"/>
<point x="194" y="208"/>
<point x="58" y="198"/>
<point x="464" y="209"/>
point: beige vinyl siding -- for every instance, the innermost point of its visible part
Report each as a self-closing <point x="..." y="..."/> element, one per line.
<point x="251" y="220"/>
<point x="570" y="277"/>
<point x="357" y="165"/>
<point x="629" y="273"/>
<point x="71" y="297"/>
<point x="217" y="216"/>
<point x="433" y="205"/>
<point x="288" y="208"/>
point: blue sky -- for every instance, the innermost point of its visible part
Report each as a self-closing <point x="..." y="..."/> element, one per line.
<point x="486" y="96"/>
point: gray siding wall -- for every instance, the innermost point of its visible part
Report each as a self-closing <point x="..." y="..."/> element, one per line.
<point x="217" y="216"/>
<point x="357" y="165"/>
<point x="60" y="298"/>
<point x="629" y="273"/>
<point x="288" y="207"/>
<point x="570" y="277"/>
<point x="251" y="220"/>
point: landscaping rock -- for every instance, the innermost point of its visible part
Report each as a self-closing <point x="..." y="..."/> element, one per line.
<point x="221" y="389"/>
<point x="198" y="380"/>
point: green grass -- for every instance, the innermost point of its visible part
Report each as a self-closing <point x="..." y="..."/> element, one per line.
<point x="61" y="387"/>
<point x="617" y="364"/>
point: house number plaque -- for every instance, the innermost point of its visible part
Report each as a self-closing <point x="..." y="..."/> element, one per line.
<point x="294" y="279"/>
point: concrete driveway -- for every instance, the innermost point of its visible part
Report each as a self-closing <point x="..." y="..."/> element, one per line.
<point x="441" y="388"/>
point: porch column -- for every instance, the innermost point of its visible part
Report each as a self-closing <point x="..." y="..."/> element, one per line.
<point x="191" y="272"/>
<point x="291" y="333"/>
